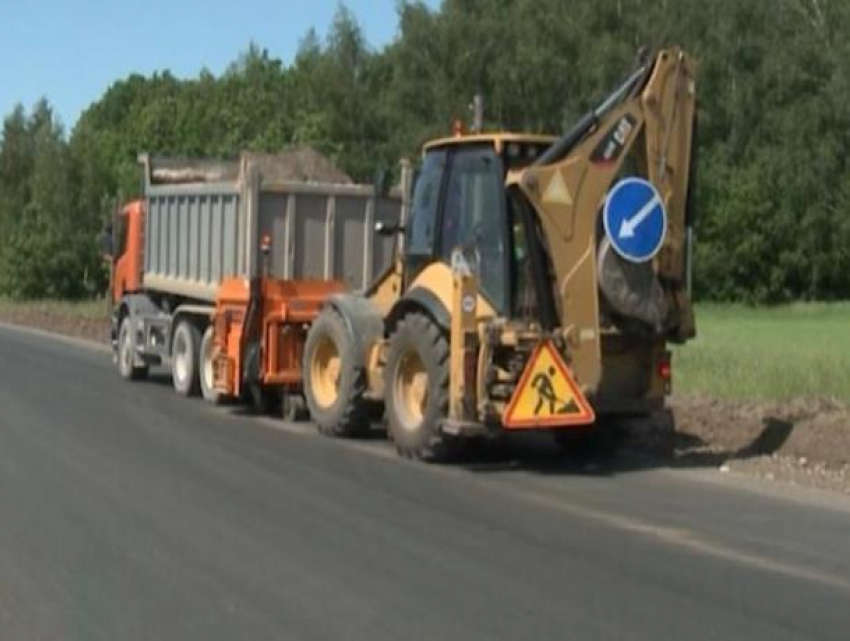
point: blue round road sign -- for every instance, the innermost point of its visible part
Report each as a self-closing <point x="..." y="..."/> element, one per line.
<point x="635" y="219"/>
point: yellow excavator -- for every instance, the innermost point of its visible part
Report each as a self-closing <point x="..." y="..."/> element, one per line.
<point x="538" y="282"/>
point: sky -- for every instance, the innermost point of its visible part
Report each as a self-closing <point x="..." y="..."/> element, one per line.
<point x="70" y="51"/>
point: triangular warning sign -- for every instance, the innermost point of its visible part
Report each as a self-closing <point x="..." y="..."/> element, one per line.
<point x="557" y="192"/>
<point x="547" y="395"/>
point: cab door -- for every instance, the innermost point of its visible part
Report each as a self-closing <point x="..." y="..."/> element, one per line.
<point x="424" y="217"/>
<point x="459" y="203"/>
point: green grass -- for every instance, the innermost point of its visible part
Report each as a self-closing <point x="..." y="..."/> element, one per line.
<point x="796" y="350"/>
<point x="89" y="309"/>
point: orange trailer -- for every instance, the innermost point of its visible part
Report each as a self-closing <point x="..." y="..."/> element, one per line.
<point x="260" y="330"/>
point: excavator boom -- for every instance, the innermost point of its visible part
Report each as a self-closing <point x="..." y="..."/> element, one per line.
<point x="643" y="129"/>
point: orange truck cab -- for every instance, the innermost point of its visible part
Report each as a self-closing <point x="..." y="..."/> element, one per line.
<point x="127" y="230"/>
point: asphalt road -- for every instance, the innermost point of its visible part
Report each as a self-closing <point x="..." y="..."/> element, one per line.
<point x="129" y="513"/>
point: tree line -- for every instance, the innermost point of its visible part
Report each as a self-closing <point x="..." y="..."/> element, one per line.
<point x="773" y="192"/>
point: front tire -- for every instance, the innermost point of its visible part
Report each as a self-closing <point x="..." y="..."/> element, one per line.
<point x="334" y="380"/>
<point x="127" y="354"/>
<point x="185" y="348"/>
<point x="417" y="389"/>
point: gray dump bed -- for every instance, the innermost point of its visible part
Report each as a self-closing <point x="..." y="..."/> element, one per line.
<point x="205" y="221"/>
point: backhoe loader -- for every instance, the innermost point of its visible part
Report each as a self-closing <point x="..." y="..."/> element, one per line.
<point x="537" y="285"/>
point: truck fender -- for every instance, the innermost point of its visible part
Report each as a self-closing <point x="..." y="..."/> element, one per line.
<point x="363" y="320"/>
<point x="203" y="312"/>
<point x="133" y="305"/>
<point x="200" y="313"/>
<point x="420" y="299"/>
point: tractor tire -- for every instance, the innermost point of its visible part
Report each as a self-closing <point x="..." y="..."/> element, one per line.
<point x="126" y="357"/>
<point x="334" y="379"/>
<point x="417" y="390"/>
<point x="206" y="374"/>
<point x="185" y="352"/>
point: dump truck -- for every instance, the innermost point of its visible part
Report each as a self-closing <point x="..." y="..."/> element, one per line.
<point x="204" y="229"/>
<point x="537" y="284"/>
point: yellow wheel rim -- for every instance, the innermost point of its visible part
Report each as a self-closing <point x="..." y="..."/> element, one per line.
<point x="324" y="372"/>
<point x="411" y="390"/>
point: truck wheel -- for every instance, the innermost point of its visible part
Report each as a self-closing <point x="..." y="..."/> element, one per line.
<point x="293" y="407"/>
<point x="127" y="354"/>
<point x="207" y="376"/>
<point x="417" y="389"/>
<point x="261" y="400"/>
<point x="334" y="382"/>
<point x="185" y="348"/>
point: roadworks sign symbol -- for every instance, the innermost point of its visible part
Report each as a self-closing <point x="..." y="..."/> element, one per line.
<point x="547" y="395"/>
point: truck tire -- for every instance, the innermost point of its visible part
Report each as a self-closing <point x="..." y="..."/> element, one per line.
<point x="334" y="380"/>
<point x="126" y="357"/>
<point x="206" y="374"/>
<point x="185" y="350"/>
<point x="293" y="407"/>
<point x="417" y="390"/>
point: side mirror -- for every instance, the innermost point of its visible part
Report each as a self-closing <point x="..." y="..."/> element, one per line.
<point x="106" y="243"/>
<point x="384" y="229"/>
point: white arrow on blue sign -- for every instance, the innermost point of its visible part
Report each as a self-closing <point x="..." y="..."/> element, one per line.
<point x="635" y="219"/>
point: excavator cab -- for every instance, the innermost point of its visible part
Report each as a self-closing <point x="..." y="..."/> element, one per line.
<point x="460" y="202"/>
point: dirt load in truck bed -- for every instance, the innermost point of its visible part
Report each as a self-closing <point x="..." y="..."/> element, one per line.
<point x="296" y="164"/>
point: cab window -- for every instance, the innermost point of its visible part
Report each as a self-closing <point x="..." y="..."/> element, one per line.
<point x="474" y="218"/>
<point x="426" y="201"/>
<point x="120" y="227"/>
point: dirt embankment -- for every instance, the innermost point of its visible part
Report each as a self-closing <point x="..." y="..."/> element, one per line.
<point x="804" y="441"/>
<point x="67" y="323"/>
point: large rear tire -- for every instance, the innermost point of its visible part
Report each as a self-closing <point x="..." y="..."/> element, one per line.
<point x="206" y="375"/>
<point x="417" y="390"/>
<point x="334" y="379"/>
<point x="185" y="349"/>
<point x="127" y="366"/>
